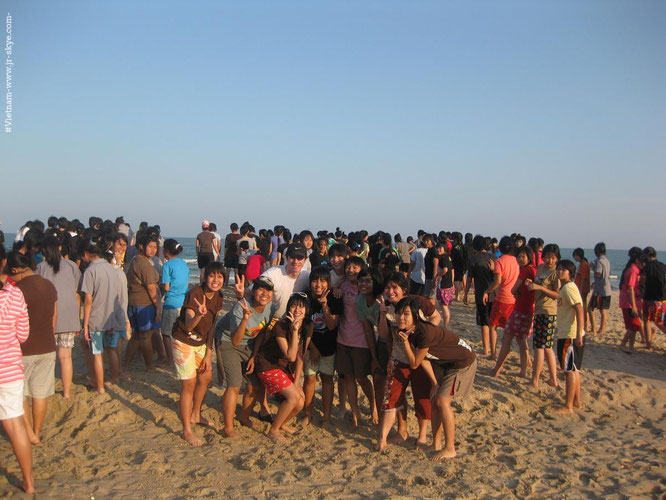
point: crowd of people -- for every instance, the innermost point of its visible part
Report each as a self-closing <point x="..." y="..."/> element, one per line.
<point x="368" y="311"/>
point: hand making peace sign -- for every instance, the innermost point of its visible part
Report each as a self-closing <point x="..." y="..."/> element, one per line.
<point x="239" y="287"/>
<point x="201" y="307"/>
<point x="247" y="311"/>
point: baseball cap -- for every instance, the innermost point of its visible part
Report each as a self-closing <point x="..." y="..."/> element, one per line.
<point x="297" y="250"/>
<point x="263" y="282"/>
<point x="205" y="224"/>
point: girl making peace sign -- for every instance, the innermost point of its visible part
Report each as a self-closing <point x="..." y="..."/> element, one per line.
<point x="192" y="344"/>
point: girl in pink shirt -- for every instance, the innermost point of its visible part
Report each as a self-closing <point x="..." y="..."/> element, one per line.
<point x="630" y="301"/>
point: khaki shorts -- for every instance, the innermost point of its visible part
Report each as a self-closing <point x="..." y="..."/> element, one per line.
<point x="39" y="375"/>
<point x="326" y="365"/>
<point x="233" y="362"/>
<point x="456" y="382"/>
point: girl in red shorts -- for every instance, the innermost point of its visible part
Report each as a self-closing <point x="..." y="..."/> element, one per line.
<point x="519" y="324"/>
<point x="278" y="358"/>
<point x="630" y="301"/>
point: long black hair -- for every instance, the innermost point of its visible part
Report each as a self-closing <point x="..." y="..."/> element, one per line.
<point x="634" y="254"/>
<point x="51" y="251"/>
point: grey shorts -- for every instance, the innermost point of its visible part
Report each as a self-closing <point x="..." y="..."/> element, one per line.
<point x="39" y="375"/>
<point x="233" y="362"/>
<point x="169" y="317"/>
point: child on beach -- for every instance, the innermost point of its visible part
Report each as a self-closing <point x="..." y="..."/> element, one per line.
<point x="449" y="362"/>
<point x="519" y="324"/>
<point x="445" y="275"/>
<point x="278" y="360"/>
<point x="325" y="312"/>
<point x="481" y="276"/>
<point x="174" y="281"/>
<point x="652" y="281"/>
<point x="547" y="286"/>
<point x="192" y="346"/>
<point x="352" y="355"/>
<point x="569" y="334"/>
<point x="582" y="279"/>
<point x="234" y="334"/>
<point x="506" y="272"/>
<point x="630" y="300"/>
<point x="601" y="294"/>
<point x="399" y="373"/>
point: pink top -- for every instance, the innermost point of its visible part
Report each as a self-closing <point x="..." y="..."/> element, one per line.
<point x="630" y="281"/>
<point x="508" y="269"/>
<point x="14" y="329"/>
<point x="351" y="331"/>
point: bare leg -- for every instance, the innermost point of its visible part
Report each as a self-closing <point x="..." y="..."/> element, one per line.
<point x="98" y="366"/>
<point x="146" y="344"/>
<point x="166" y="339"/>
<point x="229" y="400"/>
<point x="388" y="418"/>
<point x="422" y="440"/>
<point x="327" y="395"/>
<point x="293" y="402"/>
<point x="87" y="355"/>
<point x="368" y="390"/>
<point x="571" y="378"/>
<point x="342" y="396"/>
<point x="27" y="412"/>
<point x="158" y="346"/>
<point x="66" y="370"/>
<point x="493" y="342"/>
<point x="309" y="385"/>
<point x="443" y="407"/>
<point x="39" y="406"/>
<point x="524" y="355"/>
<point x="537" y="367"/>
<point x="352" y="395"/>
<point x="446" y="315"/>
<point x="504" y="352"/>
<point x="114" y="363"/>
<point x="485" y="339"/>
<point x="551" y="361"/>
<point x="249" y="400"/>
<point x="203" y="379"/>
<point x="592" y="321"/>
<point x="378" y="382"/>
<point x="16" y="431"/>
<point x="602" y="324"/>
<point x="186" y="399"/>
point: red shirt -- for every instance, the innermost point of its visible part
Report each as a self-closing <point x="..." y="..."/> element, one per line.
<point x="253" y="269"/>
<point x="524" y="297"/>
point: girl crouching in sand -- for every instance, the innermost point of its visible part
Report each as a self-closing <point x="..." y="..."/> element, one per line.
<point x="192" y="344"/>
<point x="278" y="356"/>
<point x="450" y="364"/>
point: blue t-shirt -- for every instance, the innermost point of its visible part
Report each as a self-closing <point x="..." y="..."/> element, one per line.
<point x="177" y="274"/>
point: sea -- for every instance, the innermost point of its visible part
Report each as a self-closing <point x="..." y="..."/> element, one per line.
<point x="617" y="257"/>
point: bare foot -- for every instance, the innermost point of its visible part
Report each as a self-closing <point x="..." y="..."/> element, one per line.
<point x="398" y="438"/>
<point x="277" y="437"/>
<point x="440" y="455"/>
<point x="307" y="420"/>
<point x="553" y="383"/>
<point x="30" y="489"/>
<point x="375" y="418"/>
<point x="381" y="446"/>
<point x="563" y="410"/>
<point x="491" y="372"/>
<point x="288" y="429"/>
<point x="340" y="413"/>
<point x="191" y="439"/>
<point x="626" y="349"/>
<point x="532" y="384"/>
<point x="230" y="433"/>
<point x="523" y="375"/>
<point x="101" y="390"/>
<point x="354" y="420"/>
<point x="202" y="421"/>
<point x="421" y="444"/>
<point x="247" y="423"/>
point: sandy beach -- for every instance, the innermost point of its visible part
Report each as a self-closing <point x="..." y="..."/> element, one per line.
<point x="126" y="443"/>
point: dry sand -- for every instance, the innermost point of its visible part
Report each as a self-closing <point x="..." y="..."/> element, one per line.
<point x="126" y="443"/>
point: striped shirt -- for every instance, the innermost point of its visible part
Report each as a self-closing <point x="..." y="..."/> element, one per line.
<point x="14" y="329"/>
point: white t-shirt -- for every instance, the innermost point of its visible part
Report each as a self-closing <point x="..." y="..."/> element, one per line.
<point x="218" y="238"/>
<point x="285" y="285"/>
<point x="417" y="257"/>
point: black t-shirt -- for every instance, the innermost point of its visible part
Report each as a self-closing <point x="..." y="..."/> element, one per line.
<point x="480" y="272"/>
<point x="458" y="259"/>
<point x="654" y="271"/>
<point x="373" y="253"/>
<point x="317" y="260"/>
<point x="429" y="264"/>
<point x="447" y="279"/>
<point x="324" y="339"/>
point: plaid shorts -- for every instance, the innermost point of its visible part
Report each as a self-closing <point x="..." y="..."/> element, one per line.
<point x="65" y="339"/>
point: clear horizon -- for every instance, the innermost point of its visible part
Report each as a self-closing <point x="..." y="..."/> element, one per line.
<point x="544" y="118"/>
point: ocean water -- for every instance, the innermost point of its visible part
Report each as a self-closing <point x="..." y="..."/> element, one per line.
<point x="618" y="258"/>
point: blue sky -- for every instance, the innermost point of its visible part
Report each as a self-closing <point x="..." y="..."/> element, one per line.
<point x="546" y="118"/>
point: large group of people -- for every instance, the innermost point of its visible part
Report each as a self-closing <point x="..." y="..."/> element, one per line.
<point x="371" y="311"/>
